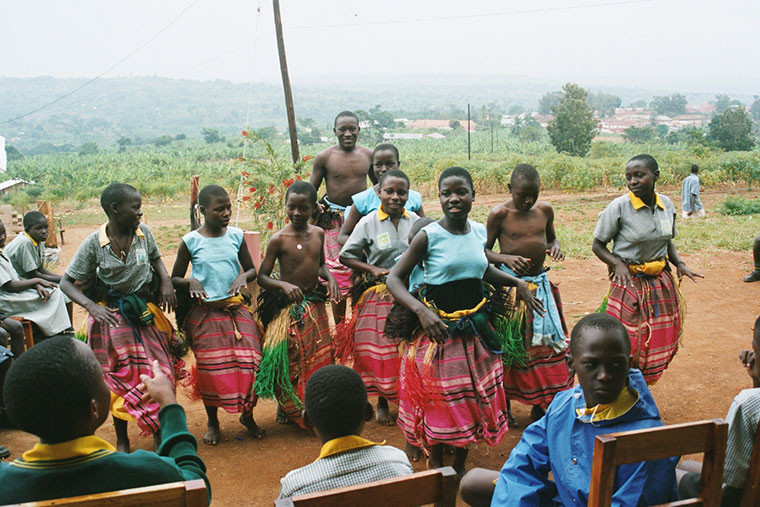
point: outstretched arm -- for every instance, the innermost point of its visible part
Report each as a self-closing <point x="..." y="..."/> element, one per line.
<point x="351" y="219"/>
<point x="680" y="265"/>
<point x="552" y="243"/>
<point x="431" y="323"/>
<point x="102" y="314"/>
<point x="621" y="275"/>
<point x="192" y="285"/>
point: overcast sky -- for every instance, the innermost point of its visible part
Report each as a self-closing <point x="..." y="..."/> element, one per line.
<point x="696" y="45"/>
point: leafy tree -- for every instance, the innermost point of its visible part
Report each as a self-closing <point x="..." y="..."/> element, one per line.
<point x="306" y="122"/>
<point x="754" y="110"/>
<point x="574" y="127"/>
<point x="669" y="105"/>
<point x="380" y="118"/>
<point x="162" y="140"/>
<point x="515" y="110"/>
<point x="180" y="137"/>
<point x="12" y="153"/>
<point x="638" y="103"/>
<point x="732" y="130"/>
<point x="723" y="103"/>
<point x="211" y="135"/>
<point x="454" y="124"/>
<point x="638" y="134"/>
<point x="547" y="103"/>
<point x="661" y="130"/>
<point x="123" y="142"/>
<point x="89" y="148"/>
<point x="604" y="103"/>
<point x="267" y="133"/>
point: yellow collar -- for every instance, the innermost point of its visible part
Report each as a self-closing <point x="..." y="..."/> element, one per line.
<point x="382" y="215"/>
<point x="31" y="239"/>
<point x="104" y="240"/>
<point x="638" y="203"/>
<point x="82" y="446"/>
<point x="602" y="412"/>
<point x="343" y="444"/>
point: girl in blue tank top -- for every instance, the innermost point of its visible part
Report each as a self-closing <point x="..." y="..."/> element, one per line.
<point x="385" y="158"/>
<point x="452" y="345"/>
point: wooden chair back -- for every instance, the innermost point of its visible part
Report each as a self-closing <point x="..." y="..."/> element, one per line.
<point x="28" y="331"/>
<point x="708" y="437"/>
<point x="437" y="486"/>
<point x="173" y="494"/>
<point x="751" y="494"/>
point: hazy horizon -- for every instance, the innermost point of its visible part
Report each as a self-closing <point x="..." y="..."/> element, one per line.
<point x="665" y="45"/>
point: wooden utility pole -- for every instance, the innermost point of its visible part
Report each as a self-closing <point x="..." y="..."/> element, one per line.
<point x="468" y="132"/>
<point x="286" y="83"/>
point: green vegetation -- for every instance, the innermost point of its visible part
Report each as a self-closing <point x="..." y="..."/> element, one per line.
<point x="573" y="127"/>
<point x="740" y="206"/>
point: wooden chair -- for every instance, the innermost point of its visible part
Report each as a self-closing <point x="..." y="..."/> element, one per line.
<point x="173" y="494"/>
<point x="437" y="486"/>
<point x="751" y="494"/>
<point x="28" y="331"/>
<point x="657" y="443"/>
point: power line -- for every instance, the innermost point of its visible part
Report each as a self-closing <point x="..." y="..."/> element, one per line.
<point x="474" y="16"/>
<point x="109" y="69"/>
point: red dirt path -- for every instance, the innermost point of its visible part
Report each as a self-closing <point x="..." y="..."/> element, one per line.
<point x="699" y="384"/>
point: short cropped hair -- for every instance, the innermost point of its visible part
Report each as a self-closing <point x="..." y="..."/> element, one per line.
<point x="49" y="387"/>
<point x="115" y="193"/>
<point x="302" y="188"/>
<point x="210" y="192"/>
<point x="603" y="322"/>
<point x="525" y="172"/>
<point x="344" y="114"/>
<point x="694" y="168"/>
<point x="394" y="173"/>
<point x="456" y="171"/>
<point x="386" y="147"/>
<point x="33" y="218"/>
<point x="335" y="400"/>
<point x="647" y="160"/>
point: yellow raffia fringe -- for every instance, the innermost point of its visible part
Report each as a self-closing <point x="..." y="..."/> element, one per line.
<point x="651" y="268"/>
<point x="277" y="331"/>
<point x="457" y="314"/>
<point x="380" y="288"/>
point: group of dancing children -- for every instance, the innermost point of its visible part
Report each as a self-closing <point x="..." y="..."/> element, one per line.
<point x="442" y="323"/>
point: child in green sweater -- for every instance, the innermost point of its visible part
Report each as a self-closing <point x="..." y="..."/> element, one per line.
<point x="56" y="391"/>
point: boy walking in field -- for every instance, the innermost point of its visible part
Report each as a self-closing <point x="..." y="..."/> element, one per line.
<point x="292" y="310"/>
<point x="524" y="227"/>
<point x="691" y="206"/>
<point x="344" y="169"/>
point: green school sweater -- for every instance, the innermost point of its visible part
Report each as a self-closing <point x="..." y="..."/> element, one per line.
<point x="91" y="465"/>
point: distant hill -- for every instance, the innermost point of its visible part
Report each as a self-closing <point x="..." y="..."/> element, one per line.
<point x="144" y="108"/>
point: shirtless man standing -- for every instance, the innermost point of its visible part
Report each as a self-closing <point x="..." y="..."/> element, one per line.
<point x="344" y="169"/>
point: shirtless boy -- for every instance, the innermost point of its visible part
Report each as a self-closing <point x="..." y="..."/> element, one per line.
<point x="344" y="169"/>
<point x="292" y="308"/>
<point x="524" y="227"/>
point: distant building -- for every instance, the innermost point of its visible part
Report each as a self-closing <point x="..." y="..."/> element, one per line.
<point x="441" y="124"/>
<point x="435" y="135"/>
<point x="7" y="186"/>
<point x="389" y="136"/>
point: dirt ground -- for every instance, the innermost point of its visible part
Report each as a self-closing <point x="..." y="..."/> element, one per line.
<point x="699" y="384"/>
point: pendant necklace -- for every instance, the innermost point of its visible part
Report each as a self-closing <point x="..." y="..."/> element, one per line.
<point x="299" y="246"/>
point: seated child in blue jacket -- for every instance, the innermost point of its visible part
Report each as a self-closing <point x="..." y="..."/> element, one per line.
<point x="610" y="397"/>
<point x="56" y="391"/>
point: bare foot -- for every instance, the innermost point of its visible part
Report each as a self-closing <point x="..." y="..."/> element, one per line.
<point x="413" y="453"/>
<point x="383" y="415"/>
<point x="246" y="419"/>
<point x="282" y="417"/>
<point x="536" y="413"/>
<point x="212" y="434"/>
<point x="122" y="445"/>
<point x="511" y="421"/>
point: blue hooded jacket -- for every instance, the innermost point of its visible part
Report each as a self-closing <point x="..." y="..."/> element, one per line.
<point x="563" y="442"/>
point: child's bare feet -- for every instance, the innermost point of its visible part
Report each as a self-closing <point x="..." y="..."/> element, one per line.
<point x="212" y="433"/>
<point x="282" y="417"/>
<point x="536" y="413"/>
<point x="435" y="460"/>
<point x="383" y="414"/>
<point x="413" y="453"/>
<point x="246" y="419"/>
